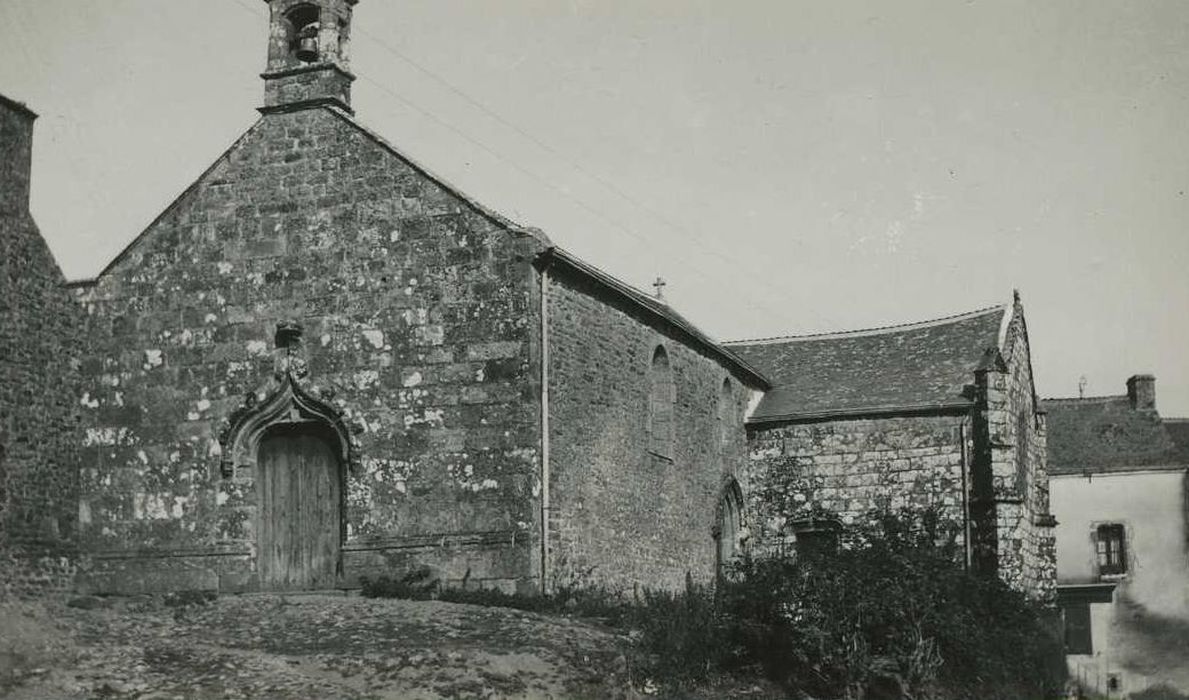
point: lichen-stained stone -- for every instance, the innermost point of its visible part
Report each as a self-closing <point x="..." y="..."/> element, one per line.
<point x="418" y="315"/>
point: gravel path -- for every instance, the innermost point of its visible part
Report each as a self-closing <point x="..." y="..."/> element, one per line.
<point x="302" y="647"/>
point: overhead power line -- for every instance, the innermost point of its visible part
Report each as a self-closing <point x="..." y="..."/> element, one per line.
<point x="694" y="240"/>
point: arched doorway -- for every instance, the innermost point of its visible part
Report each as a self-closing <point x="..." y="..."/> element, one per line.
<point x="300" y="491"/>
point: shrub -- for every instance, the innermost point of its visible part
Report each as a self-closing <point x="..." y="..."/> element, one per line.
<point x="892" y="615"/>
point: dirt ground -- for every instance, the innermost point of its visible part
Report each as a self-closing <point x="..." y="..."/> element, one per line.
<point x="303" y="647"/>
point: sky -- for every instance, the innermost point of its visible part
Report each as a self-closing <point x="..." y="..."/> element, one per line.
<point x="787" y="167"/>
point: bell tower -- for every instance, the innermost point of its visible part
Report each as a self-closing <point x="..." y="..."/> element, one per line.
<point x="308" y="55"/>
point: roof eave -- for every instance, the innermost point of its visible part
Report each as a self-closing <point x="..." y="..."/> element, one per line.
<point x="886" y="411"/>
<point x="176" y="202"/>
<point x="554" y="255"/>
<point x="491" y="214"/>
<point x="1108" y="470"/>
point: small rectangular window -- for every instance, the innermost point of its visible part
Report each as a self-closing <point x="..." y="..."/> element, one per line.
<point x="1112" y="550"/>
<point x="1077" y="629"/>
<point x="817" y="542"/>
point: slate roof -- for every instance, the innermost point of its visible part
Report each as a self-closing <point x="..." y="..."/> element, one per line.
<point x="915" y="367"/>
<point x="1104" y="434"/>
<point x="18" y="106"/>
<point x="1178" y="430"/>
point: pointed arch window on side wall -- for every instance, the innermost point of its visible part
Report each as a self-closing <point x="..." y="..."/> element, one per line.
<point x="726" y="416"/>
<point x="661" y="398"/>
<point x="1023" y="428"/>
<point x="729" y="535"/>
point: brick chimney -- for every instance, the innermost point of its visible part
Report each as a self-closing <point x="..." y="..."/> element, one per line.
<point x="308" y="55"/>
<point x="1141" y="390"/>
<point x="16" y="156"/>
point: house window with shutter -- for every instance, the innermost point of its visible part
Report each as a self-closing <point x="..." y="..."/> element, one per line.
<point x="1111" y="543"/>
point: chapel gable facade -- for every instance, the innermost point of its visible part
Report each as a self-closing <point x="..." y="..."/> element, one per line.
<point x="322" y="363"/>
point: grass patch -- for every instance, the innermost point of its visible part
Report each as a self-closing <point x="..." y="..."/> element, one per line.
<point x="591" y="602"/>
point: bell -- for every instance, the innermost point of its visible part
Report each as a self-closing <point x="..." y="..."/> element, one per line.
<point x="307" y="45"/>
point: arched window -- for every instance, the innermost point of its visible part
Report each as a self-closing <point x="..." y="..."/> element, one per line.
<point x="1022" y="444"/>
<point x="661" y="397"/>
<point x="728" y="529"/>
<point x="726" y="415"/>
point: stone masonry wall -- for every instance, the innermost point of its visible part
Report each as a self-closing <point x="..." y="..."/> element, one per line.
<point x="39" y="328"/>
<point x="419" y="320"/>
<point x="1026" y="545"/>
<point x="846" y="468"/>
<point x="620" y="515"/>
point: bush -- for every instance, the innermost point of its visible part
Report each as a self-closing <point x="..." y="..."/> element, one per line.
<point x="893" y="615"/>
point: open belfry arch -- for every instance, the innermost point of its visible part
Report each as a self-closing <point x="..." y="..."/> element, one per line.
<point x="308" y="55"/>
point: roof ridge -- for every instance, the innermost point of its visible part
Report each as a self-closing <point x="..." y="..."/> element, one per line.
<point x="877" y="330"/>
<point x="1086" y="399"/>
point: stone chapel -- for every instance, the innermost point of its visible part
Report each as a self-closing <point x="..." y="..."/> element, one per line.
<point x="322" y="362"/>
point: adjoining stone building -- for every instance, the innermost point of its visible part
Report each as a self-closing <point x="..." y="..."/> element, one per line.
<point x="941" y="414"/>
<point x="1120" y="491"/>
<point x="39" y="352"/>
<point x="322" y="362"/>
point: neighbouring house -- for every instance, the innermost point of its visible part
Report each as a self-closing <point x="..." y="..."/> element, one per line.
<point x="1119" y="492"/>
<point x="941" y="414"/>
<point x="40" y="327"/>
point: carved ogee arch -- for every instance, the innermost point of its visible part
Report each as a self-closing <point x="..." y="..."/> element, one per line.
<point x="289" y="403"/>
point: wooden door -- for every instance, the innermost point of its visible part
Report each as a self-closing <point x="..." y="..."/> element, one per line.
<point x="300" y="518"/>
